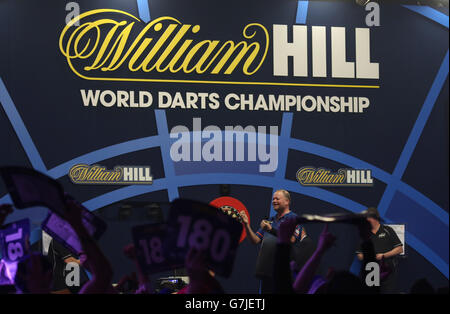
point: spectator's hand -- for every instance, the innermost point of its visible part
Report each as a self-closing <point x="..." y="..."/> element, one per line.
<point x="130" y="251"/>
<point x="326" y="240"/>
<point x="201" y="280"/>
<point x="143" y="286"/>
<point x="38" y="281"/>
<point x="244" y="218"/>
<point x="286" y="230"/>
<point x="265" y="225"/>
<point x="196" y="267"/>
<point x="5" y="210"/>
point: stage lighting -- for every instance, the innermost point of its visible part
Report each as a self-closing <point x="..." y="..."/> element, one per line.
<point x="154" y="213"/>
<point x="225" y="190"/>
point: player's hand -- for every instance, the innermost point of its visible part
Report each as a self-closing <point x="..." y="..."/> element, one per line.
<point x="265" y="225"/>
<point x="379" y="257"/>
<point x="244" y="218"/>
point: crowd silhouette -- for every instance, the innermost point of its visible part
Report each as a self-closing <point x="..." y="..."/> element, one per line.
<point x="35" y="273"/>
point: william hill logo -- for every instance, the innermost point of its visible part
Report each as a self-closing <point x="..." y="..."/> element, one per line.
<point x="115" y="45"/>
<point x="96" y="174"/>
<point x="309" y="176"/>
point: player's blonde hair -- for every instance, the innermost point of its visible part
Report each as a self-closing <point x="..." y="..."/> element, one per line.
<point x="286" y="194"/>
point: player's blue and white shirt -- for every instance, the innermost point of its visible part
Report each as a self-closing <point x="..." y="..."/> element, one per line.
<point x="276" y="224"/>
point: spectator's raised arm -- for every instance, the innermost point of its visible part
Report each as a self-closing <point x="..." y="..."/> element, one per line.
<point x="95" y="261"/>
<point x="306" y="275"/>
<point x="143" y="280"/>
<point x="200" y="279"/>
<point x="282" y="271"/>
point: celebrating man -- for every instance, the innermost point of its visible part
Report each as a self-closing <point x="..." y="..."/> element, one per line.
<point x="266" y="235"/>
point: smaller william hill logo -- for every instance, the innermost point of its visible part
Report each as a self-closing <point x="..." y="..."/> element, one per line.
<point x="310" y="176"/>
<point x="96" y="174"/>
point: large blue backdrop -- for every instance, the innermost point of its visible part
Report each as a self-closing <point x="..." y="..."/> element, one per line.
<point x="114" y="89"/>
